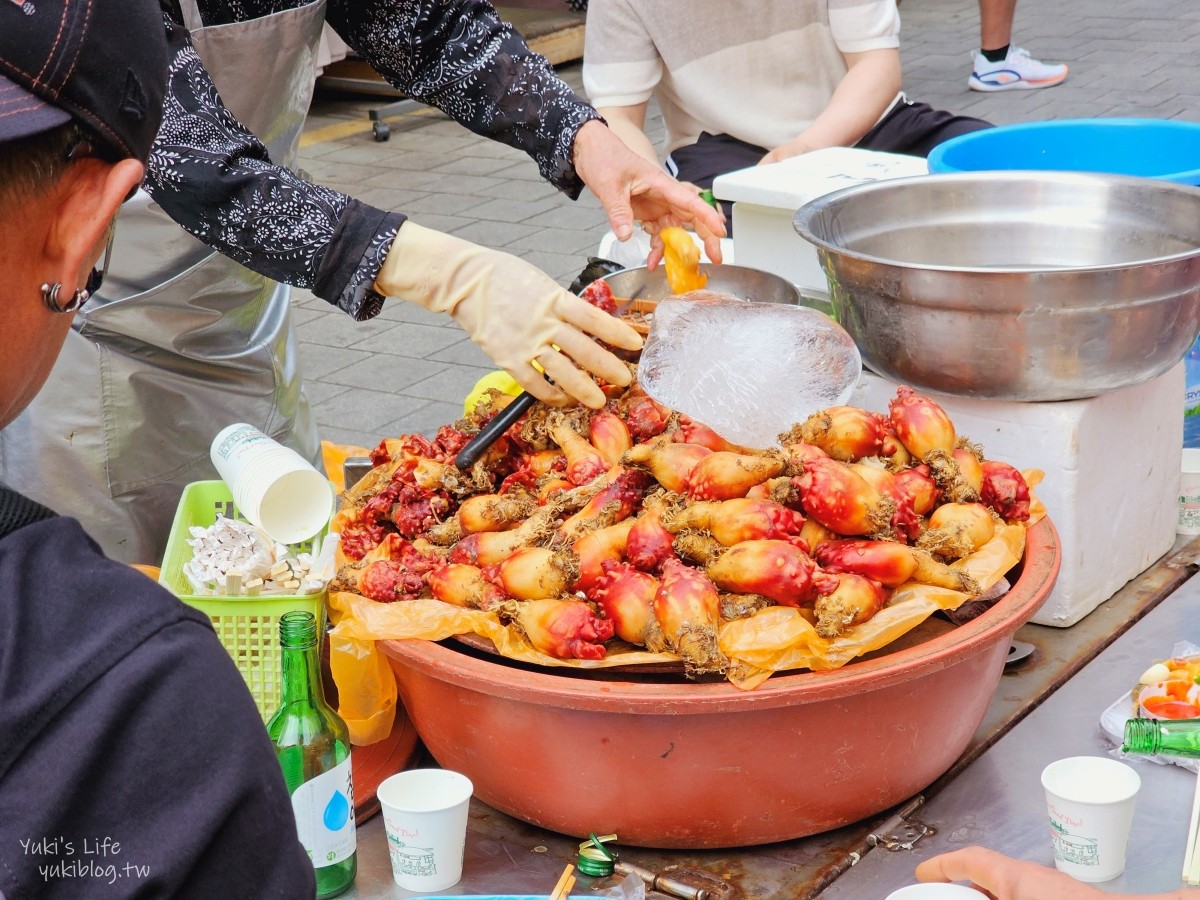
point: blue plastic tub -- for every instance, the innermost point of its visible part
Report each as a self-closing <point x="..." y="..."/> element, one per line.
<point x="1152" y="148"/>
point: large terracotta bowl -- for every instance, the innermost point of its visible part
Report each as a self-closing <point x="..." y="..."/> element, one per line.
<point x="685" y="765"/>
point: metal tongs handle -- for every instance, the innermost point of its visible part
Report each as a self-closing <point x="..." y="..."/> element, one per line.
<point x="490" y="433"/>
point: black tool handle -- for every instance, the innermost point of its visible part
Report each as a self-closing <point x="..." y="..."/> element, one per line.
<point x="490" y="433"/>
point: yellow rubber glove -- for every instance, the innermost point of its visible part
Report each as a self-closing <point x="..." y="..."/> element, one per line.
<point x="515" y="312"/>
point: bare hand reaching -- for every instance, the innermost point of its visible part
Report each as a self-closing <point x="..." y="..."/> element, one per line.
<point x="632" y="190"/>
<point x="1010" y="879"/>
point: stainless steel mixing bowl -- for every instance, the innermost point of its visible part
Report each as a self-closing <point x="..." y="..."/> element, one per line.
<point x="1013" y="285"/>
<point x="737" y="281"/>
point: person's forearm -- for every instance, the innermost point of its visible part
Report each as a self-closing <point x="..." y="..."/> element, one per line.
<point x="863" y="95"/>
<point x="459" y="56"/>
<point x="230" y="195"/>
<point x="632" y="134"/>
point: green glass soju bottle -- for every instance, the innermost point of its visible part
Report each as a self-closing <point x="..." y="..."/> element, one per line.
<point x="313" y="749"/>
<point x="1173" y="737"/>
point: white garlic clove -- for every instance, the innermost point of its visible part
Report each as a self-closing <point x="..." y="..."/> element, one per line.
<point x="1156" y="673"/>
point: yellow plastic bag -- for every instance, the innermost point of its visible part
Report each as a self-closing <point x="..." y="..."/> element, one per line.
<point x="366" y="688"/>
<point x="334" y="456"/>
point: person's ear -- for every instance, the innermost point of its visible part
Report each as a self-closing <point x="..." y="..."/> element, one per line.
<point x="91" y="192"/>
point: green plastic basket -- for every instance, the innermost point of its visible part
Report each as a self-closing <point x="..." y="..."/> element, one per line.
<point x="248" y="627"/>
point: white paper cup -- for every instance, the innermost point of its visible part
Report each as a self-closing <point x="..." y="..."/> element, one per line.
<point x="273" y="486"/>
<point x="425" y="817"/>
<point x="1189" y="493"/>
<point x="934" y="890"/>
<point x="1090" y="800"/>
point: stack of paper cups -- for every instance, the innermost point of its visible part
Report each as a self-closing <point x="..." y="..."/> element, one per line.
<point x="273" y="486"/>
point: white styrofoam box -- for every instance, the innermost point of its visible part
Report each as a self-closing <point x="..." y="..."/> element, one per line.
<point x="1112" y="476"/>
<point x="765" y="198"/>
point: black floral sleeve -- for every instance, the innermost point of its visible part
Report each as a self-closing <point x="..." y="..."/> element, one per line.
<point x="216" y="180"/>
<point x="459" y="56"/>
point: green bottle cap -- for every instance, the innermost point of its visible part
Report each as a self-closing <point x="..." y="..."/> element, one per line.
<point x="590" y="862"/>
<point x="594" y="858"/>
<point x="707" y="196"/>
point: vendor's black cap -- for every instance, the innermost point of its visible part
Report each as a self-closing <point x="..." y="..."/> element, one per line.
<point x="101" y="62"/>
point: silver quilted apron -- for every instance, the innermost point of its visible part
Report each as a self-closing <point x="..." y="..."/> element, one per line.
<point x="181" y="341"/>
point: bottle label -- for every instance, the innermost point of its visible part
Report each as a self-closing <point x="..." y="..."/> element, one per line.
<point x="324" y="809"/>
<point x="1191" y="399"/>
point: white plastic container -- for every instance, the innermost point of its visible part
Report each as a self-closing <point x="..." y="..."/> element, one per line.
<point x="936" y="891"/>
<point x="766" y="197"/>
<point x="273" y="486"/>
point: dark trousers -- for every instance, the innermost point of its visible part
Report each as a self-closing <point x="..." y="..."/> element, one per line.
<point x="913" y="129"/>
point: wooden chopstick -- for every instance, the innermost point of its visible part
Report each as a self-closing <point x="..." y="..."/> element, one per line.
<point x="1191" y="860"/>
<point x="565" y="882"/>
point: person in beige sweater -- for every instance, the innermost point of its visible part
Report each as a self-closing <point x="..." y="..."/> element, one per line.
<point x="748" y="82"/>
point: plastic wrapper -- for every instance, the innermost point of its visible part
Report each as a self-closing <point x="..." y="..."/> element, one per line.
<point x="772" y="640"/>
<point x="630" y="888"/>
<point x="706" y="354"/>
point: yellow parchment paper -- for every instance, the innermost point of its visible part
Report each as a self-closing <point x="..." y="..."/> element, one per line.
<point x="772" y="640"/>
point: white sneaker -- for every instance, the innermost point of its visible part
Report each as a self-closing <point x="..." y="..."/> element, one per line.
<point x="1017" y="71"/>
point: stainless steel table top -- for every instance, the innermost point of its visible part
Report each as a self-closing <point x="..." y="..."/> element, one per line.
<point x="998" y="801"/>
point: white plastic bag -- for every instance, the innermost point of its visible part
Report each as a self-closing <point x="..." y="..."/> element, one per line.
<point x="632" y="888"/>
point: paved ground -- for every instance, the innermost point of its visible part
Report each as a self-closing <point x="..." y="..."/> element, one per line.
<point x="409" y="370"/>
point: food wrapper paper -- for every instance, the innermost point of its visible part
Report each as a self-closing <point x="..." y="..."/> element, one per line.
<point x="779" y="637"/>
<point x="774" y="639"/>
<point x="333" y="458"/>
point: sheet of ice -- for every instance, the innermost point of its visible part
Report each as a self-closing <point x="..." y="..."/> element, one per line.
<point x="747" y="370"/>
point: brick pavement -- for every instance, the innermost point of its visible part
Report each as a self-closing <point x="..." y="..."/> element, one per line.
<point x="408" y="370"/>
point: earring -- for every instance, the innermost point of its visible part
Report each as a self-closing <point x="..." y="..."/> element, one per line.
<point x="50" y="298"/>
